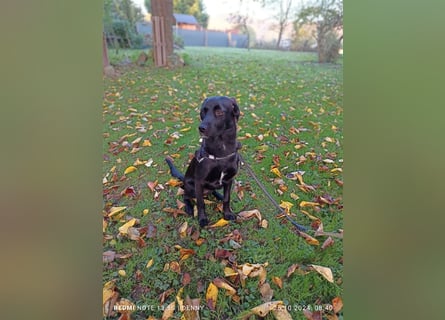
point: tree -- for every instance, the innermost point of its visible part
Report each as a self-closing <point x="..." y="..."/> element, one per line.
<point x="283" y="18"/>
<point x="327" y="16"/>
<point x="241" y="20"/>
<point x="194" y="8"/>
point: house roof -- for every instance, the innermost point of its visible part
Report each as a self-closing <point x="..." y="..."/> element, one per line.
<point x="185" y="18"/>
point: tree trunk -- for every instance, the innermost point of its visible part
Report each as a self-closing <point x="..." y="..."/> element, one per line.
<point x="105" y="60"/>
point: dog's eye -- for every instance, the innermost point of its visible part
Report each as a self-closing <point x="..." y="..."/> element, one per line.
<point x="219" y="113"/>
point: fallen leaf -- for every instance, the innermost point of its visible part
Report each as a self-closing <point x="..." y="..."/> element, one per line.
<point x="220" y="223"/>
<point x="308" y="204"/>
<point x="263" y="309"/>
<point x="220" y="283"/>
<point x="130" y="169"/>
<point x="327" y="243"/>
<point x="149" y="263"/>
<point x="211" y="296"/>
<point x="316" y="315"/>
<point x="309" y="239"/>
<point x="186" y="279"/>
<point x="324" y="271"/>
<point x="185" y="253"/>
<point x="337" y="303"/>
<point x="278" y="282"/>
<point x="266" y="292"/>
<point x="175" y="267"/>
<point x="281" y="314"/>
<point x="146" y="143"/>
<point x="292" y="269"/>
<point x="182" y="230"/>
<point x="108" y="256"/>
<point x="286" y="205"/>
<point x="169" y="311"/>
<point x="122" y="273"/>
<point x="115" y="210"/>
<point x="124" y="228"/>
<point x="276" y="172"/>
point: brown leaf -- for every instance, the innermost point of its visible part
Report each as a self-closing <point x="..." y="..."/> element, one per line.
<point x="316" y="315"/>
<point x="327" y="243"/>
<point x="108" y="256"/>
<point x="281" y="314"/>
<point x="325" y="272"/>
<point x="278" y="282"/>
<point x="186" y="279"/>
<point x="175" y="267"/>
<point x="292" y="269"/>
<point x="151" y="231"/>
<point x="337" y="303"/>
<point x="164" y="295"/>
<point x="222" y="253"/>
<point x="266" y="292"/>
<point x="185" y="253"/>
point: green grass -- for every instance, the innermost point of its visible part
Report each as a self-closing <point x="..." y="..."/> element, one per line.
<point x="287" y="100"/>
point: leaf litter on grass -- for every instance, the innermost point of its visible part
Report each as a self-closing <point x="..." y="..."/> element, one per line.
<point x="292" y="139"/>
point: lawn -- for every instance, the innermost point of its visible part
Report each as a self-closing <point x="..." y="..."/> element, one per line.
<point x="157" y="261"/>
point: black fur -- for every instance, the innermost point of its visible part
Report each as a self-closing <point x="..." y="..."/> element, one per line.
<point x="216" y="162"/>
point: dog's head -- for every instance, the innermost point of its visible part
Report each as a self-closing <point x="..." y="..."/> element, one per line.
<point x="218" y="114"/>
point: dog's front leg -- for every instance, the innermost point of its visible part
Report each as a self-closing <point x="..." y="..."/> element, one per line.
<point x="228" y="214"/>
<point x="199" y="193"/>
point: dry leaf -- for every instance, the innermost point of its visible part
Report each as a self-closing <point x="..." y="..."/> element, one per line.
<point x="327" y="243"/>
<point x="281" y="314"/>
<point x="337" y="303"/>
<point x="124" y="228"/>
<point x="211" y="296"/>
<point x="266" y="292"/>
<point x="278" y="282"/>
<point x="220" y="283"/>
<point x="169" y="311"/>
<point x="325" y="272"/>
<point x="130" y="169"/>
<point x="115" y="210"/>
<point x="182" y="230"/>
<point x="304" y="204"/>
<point x="149" y="263"/>
<point x="220" y="223"/>
<point x="309" y="239"/>
<point x="175" y="267"/>
<point x="263" y="309"/>
<point x="316" y="315"/>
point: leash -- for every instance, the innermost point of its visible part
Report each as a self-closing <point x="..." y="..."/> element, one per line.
<point x="263" y="188"/>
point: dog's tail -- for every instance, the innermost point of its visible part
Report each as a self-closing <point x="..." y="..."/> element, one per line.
<point x="173" y="171"/>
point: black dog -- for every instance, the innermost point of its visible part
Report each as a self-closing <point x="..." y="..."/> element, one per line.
<point x="216" y="162"/>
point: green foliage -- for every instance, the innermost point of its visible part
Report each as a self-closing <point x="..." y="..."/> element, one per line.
<point x="327" y="17"/>
<point x="194" y="8"/>
<point x="286" y="100"/>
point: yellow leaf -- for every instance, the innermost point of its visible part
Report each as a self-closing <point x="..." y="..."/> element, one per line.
<point x="146" y="143"/>
<point x="145" y="212"/>
<point x="328" y="161"/>
<point x="169" y="311"/>
<point x="115" y="210"/>
<point x="309" y="215"/>
<point x="335" y="170"/>
<point x="264" y="224"/>
<point x="185" y="129"/>
<point x="107" y="291"/>
<point x="276" y="171"/>
<point x="149" y="263"/>
<point x="286" y="205"/>
<point x="220" y="283"/>
<point x="125" y="306"/>
<point x="278" y="282"/>
<point x="325" y="272"/>
<point x="229" y="272"/>
<point x="183" y="229"/>
<point x="211" y="296"/>
<point x="130" y="169"/>
<point x="220" y="223"/>
<point x="122" y="273"/>
<point x="263" y="309"/>
<point x="136" y="141"/>
<point x="104" y="225"/>
<point x="124" y="229"/>
<point x="308" y="204"/>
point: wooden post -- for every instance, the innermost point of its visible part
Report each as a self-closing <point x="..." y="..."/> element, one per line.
<point x="162" y="21"/>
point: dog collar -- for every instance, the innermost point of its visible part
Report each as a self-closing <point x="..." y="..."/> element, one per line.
<point x="212" y="157"/>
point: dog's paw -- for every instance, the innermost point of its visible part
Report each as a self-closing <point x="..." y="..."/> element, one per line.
<point x="229" y="216"/>
<point x="203" y="222"/>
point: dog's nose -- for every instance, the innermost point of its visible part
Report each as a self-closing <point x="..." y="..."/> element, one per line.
<point x="202" y="128"/>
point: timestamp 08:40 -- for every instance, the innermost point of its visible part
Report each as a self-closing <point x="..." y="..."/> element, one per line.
<point x="308" y="307"/>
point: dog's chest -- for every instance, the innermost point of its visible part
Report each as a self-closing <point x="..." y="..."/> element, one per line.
<point x="218" y="176"/>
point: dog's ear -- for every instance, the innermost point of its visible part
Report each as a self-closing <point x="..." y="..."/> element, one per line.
<point x="201" y="112"/>
<point x="236" y="111"/>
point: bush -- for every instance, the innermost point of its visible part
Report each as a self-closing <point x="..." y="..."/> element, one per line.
<point x="328" y="48"/>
